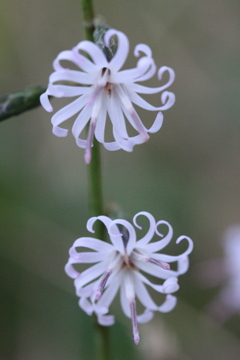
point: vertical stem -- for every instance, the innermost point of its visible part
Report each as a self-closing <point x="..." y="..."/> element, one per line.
<point x="95" y="193"/>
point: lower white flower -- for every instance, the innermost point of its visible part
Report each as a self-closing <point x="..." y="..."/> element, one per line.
<point x="119" y="265"/>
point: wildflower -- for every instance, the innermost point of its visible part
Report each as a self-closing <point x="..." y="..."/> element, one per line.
<point x="225" y="272"/>
<point x="119" y="266"/>
<point x="102" y="88"/>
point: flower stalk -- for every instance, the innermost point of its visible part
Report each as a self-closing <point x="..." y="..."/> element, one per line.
<point x="95" y="192"/>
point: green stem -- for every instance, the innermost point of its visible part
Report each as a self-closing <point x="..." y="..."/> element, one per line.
<point x="21" y="101"/>
<point x="95" y="193"/>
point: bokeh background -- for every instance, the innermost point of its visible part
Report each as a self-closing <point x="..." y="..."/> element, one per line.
<point x="188" y="174"/>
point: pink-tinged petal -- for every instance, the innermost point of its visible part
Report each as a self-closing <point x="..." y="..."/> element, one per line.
<point x="159" y="245"/>
<point x="156" y="126"/>
<point x="131" y="75"/>
<point x="142" y="48"/>
<point x="131" y="232"/>
<point x="83" y="62"/>
<point x="69" y="56"/>
<point x="100" y="127"/>
<point x="95" y="53"/>
<point x="167" y="98"/>
<point x="74" y="76"/>
<point x="169" y="304"/>
<point x="90" y="243"/>
<point x="115" y="235"/>
<point x="128" y="109"/>
<point x="122" y="49"/>
<point x="67" y="91"/>
<point x="45" y="101"/>
<point x="147" y="90"/>
<point x="106" y="320"/>
<point x="151" y="231"/>
<point x="81" y="122"/>
<point x="145" y="317"/>
<point x="115" y="114"/>
<point x="90" y="274"/>
<point x="68" y="111"/>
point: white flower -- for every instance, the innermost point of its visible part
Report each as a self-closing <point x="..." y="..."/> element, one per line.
<point x="226" y="271"/>
<point x="102" y="88"/>
<point x="119" y="265"/>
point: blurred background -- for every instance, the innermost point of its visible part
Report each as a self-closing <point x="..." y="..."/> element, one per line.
<point x="188" y="174"/>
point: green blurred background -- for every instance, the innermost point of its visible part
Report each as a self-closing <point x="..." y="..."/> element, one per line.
<point x="188" y="174"/>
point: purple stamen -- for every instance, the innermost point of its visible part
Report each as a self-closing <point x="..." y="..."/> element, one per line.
<point x="160" y="263"/>
<point x="134" y="321"/>
<point x="102" y="284"/>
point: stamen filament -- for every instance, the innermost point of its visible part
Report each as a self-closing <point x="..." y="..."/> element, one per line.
<point x="160" y="263"/>
<point x="134" y="321"/>
<point x="102" y="284"/>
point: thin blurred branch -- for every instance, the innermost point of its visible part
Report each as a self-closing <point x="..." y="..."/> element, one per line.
<point x="18" y="102"/>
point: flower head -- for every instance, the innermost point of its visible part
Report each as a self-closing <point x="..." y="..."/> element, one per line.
<point x="102" y="88"/>
<point x="119" y="266"/>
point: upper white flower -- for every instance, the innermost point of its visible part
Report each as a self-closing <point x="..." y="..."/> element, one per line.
<point x="102" y="88"/>
<point x="119" y="265"/>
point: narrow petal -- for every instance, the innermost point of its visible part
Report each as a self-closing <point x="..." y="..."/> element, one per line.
<point x="145" y="317"/>
<point x="70" y="271"/>
<point x="115" y="235"/>
<point x="170" y="285"/>
<point x="67" y="111"/>
<point x="143" y="294"/>
<point x="131" y="75"/>
<point x="74" y="76"/>
<point x="167" y="98"/>
<point x="151" y="231"/>
<point x="45" y="101"/>
<point x="110" y="293"/>
<point x="106" y="320"/>
<point x="169" y="304"/>
<point x="132" y="234"/>
<point x="155" y="270"/>
<point x="142" y="48"/>
<point x="95" y="53"/>
<point x="81" y="122"/>
<point x="147" y="90"/>
<point x="122" y="49"/>
<point x="67" y="91"/>
<point x="159" y="245"/>
<point x="68" y="55"/>
<point x="90" y="243"/>
<point x="90" y="274"/>
<point x="86" y="306"/>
